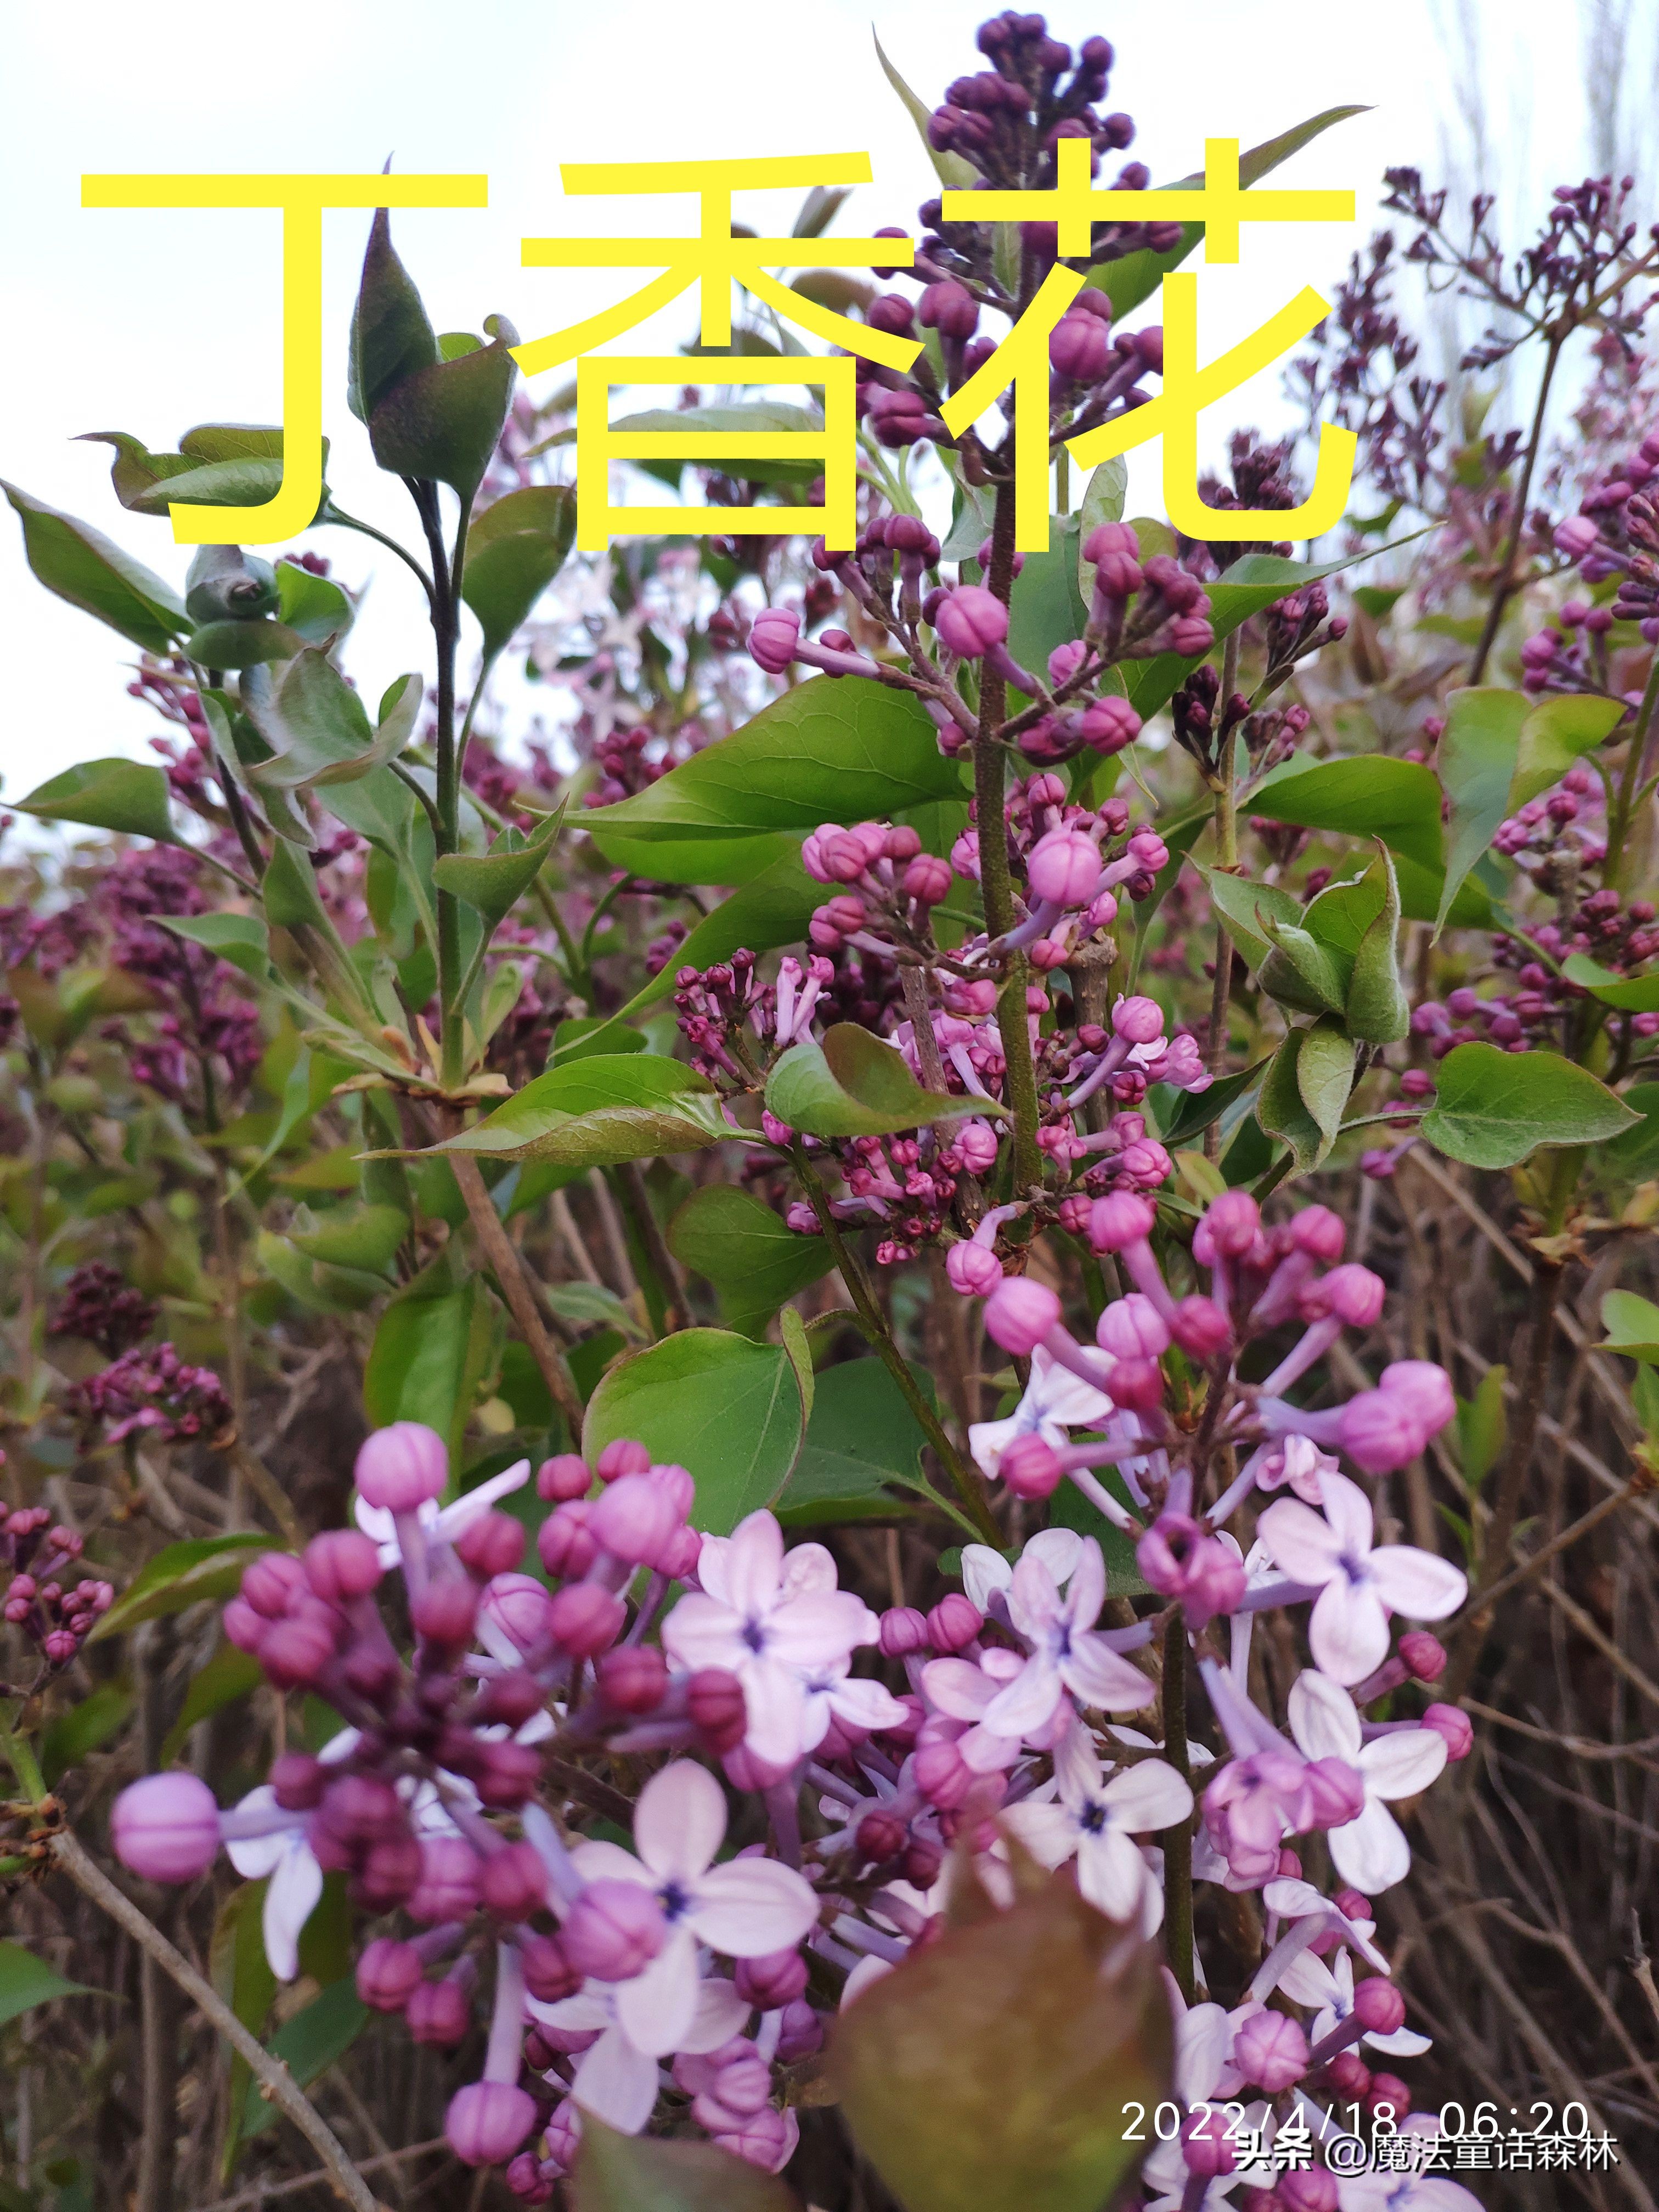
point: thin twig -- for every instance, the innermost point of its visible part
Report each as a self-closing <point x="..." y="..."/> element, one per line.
<point x="508" y="1269"/>
<point x="251" y="2199"/>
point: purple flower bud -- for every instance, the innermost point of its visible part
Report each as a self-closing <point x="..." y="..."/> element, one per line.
<point x="272" y="1584"/>
<point x="1576" y="537"/>
<point x="1139" y="1020"/>
<point x="1106" y="726"/>
<point x="1232" y="1223"/>
<point x="927" y="880"/>
<point x="714" y="1701"/>
<point x="518" y="1606"/>
<point x="488" y="2120"/>
<point x="774" y="1980"/>
<point x="942" y="1775"/>
<point x="399" y="1468"/>
<point x="548" y="1973"/>
<point x="1319" y="1232"/>
<point x="1115" y="1222"/>
<point x="1377" y="1432"/>
<point x="623" y="1456"/>
<point x="445" y="1612"/>
<point x="1380" y="2005"/>
<point x="1425" y="1654"/>
<point x="297" y="1781"/>
<point x="762" y="2139"/>
<point x="360" y="1808"/>
<point x="448" y="1886"/>
<point x="954" y="1622"/>
<point x="1201" y="1328"/>
<point x="973" y="1270"/>
<point x="970" y="619"/>
<point x="295" y="1652"/>
<point x="1064" y="867"/>
<point x="633" y="1679"/>
<point x="633" y="1519"/>
<point x="1424" y="1390"/>
<point x="166" y="1827"/>
<point x="1313" y="2190"/>
<point x="439" y="2013"/>
<point x="387" y="1873"/>
<point x="1080" y="348"/>
<point x="976" y="1141"/>
<point x="388" y="1974"/>
<point x="1137" y="1385"/>
<point x="585" y="1620"/>
<point x="802" y="2033"/>
<point x="774" y="638"/>
<point x="1031" y="1467"/>
<point x="512" y="1882"/>
<point x="565" y="1476"/>
<point x="1271" y="2050"/>
<point x="903" y="1630"/>
<point x="1020" y="1314"/>
<point x="1454" y="1727"/>
<point x="1353" y="1294"/>
<point x="492" y="1544"/>
<point x="949" y="308"/>
<point x="614" y="1931"/>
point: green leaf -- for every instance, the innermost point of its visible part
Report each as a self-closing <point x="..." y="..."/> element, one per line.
<point x="26" y="1981"/>
<point x="862" y="1453"/>
<point x="723" y="1407"/>
<point x="70" y="1738"/>
<point x="837" y="749"/>
<point x="514" y="549"/>
<point x="601" y="1111"/>
<point x="242" y="941"/>
<point x="83" y="566"/>
<point x="1283" y="1112"/>
<point x="1630" y="994"/>
<point x="1635" y="1156"/>
<point x="392" y="339"/>
<point x="1245" y="910"/>
<point x="591" y="1303"/>
<point x="1493" y="1108"/>
<point x="320" y="728"/>
<point x="242" y="1975"/>
<point x="1374" y="796"/>
<point x="313" y="607"/>
<point x="309" y="2044"/>
<point x="318" y="1287"/>
<point x="1300" y="971"/>
<point x="182" y="1574"/>
<point x="954" y="171"/>
<point x="432" y="1346"/>
<point x="1645" y="1402"/>
<point x="645" y="2174"/>
<point x="996" y="2069"/>
<point x="242" y="644"/>
<point x="1377" y="1010"/>
<point x="366" y="1237"/>
<point x="743" y="1247"/>
<point x="1191" y="1112"/>
<point x="1555" y="737"/>
<point x="855" y="1084"/>
<point x="1324" y="1076"/>
<point x="494" y="882"/>
<point x="1482" y="1428"/>
<point x="1632" y="1327"/>
<point x="1046" y="607"/>
<point x="228" y="1676"/>
<point x="130" y="797"/>
<point x="441" y="421"/>
<point x="758" y="418"/>
<point x="225" y="583"/>
<point x="1136" y="277"/>
<point x="1252" y="585"/>
<point x="1070" y="1509"/>
<point x="1103" y="501"/>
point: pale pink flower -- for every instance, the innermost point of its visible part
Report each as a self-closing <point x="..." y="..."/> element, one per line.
<point x="1370" y="1851"/>
<point x="616" y="2078"/>
<point x="1336" y="2003"/>
<point x="1067" y="1652"/>
<point x="439" y="1524"/>
<point x="1055" y="1401"/>
<point x="1095" y="1820"/>
<point x="1297" y="1461"/>
<point x="1359" y="1587"/>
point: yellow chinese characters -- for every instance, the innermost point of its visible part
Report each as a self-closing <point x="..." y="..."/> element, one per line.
<point x="714" y="260"/>
<point x="1222" y="205"/>
<point x="301" y="200"/>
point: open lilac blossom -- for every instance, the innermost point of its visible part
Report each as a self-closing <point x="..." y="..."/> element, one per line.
<point x="1359" y="1586"/>
<point x="1094" y="1821"/>
<point x="615" y="2078"/>
<point x="1369" y="1851"/>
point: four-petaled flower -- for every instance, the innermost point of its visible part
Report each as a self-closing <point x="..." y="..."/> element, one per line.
<point x="1067" y="1651"/>
<point x="615" y="2078"/>
<point x="1359" y="1587"/>
<point x="1370" y="1851"/>
<point x="1055" y="1401"/>
<point x="1097" y="1820"/>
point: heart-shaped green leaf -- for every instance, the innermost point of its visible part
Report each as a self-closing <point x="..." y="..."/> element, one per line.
<point x="1493" y="1108"/>
<point x="80" y="564"/>
<point x="855" y="1084"/>
<point x="601" y="1111"/>
<point x="514" y="549"/>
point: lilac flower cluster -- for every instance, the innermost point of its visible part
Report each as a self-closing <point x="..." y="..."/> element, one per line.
<point x="156" y="1394"/>
<point x="36" y="1555"/>
<point x="98" y="1304"/>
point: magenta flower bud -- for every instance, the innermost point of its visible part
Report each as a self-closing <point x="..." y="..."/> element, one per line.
<point x="166" y="1827"/>
<point x="1353" y="1294"/>
<point x="624" y="1456"/>
<point x="439" y="2013"/>
<point x="492" y="1544"/>
<point x="761" y="2140"/>
<point x="1377" y="1432"/>
<point x="1132" y="1328"/>
<point x="445" y="1612"/>
<point x="1425" y="1392"/>
<point x="970" y="619"/>
<point x="1190" y="634"/>
<point x="1201" y="1328"/>
<point x="360" y="1809"/>
<point x="547" y="1974"/>
<point x="488" y="2120"/>
<point x="634" y="1518"/>
<point x="1352" y="1905"/>
<point x="1389" y="2089"/>
<point x="565" y="1476"/>
<point x="1454" y="1728"/>
<point x="778" y="1978"/>
<point x="510" y="1697"/>
<point x="881" y="1837"/>
<point x="679" y="1556"/>
<point x="297" y="1781"/>
<point x="903" y="1630"/>
<point x="774" y="638"/>
<point x="1380" y="2005"/>
<point x="399" y="1468"/>
<point x="1137" y="1385"/>
<point x="1336" y="1792"/>
<point x="272" y="1584"/>
<point x="1312" y="2190"/>
<point x="743" y="2085"/>
<point x="293" y="1653"/>
<point x="1107" y="725"/>
<point x="564" y="1541"/>
<point x="977" y="1143"/>
<point x="803" y="2032"/>
<point x="614" y="1931"/>
<point x="633" y="1679"/>
<point x="714" y="1701"/>
<point x="585" y="1620"/>
<point x="972" y="1270"/>
<point x="244" y="1627"/>
<point x="1079" y="348"/>
<point x="1234" y="1222"/>
<point x="1020" y="1314"/>
<point x="1206" y="2148"/>
<point x="1576" y="536"/>
<point x="1319" y="1232"/>
<point x="1122" y="1219"/>
<point x="388" y="1974"/>
<point x="1425" y="1654"/>
<point x="927" y="880"/>
<point x="342" y="1564"/>
<point x="525" y="2178"/>
<point x="949" y="308"/>
<point x="512" y="1882"/>
<point x="1139" y="1021"/>
<point x="1271" y="2050"/>
<point x="954" y="1622"/>
<point x="1064" y="867"/>
<point x="1031" y="1467"/>
<point x="1349" y="2075"/>
<point x="518" y="1605"/>
<point x="942" y="1775"/>
<point x="448" y="1886"/>
<point x="387" y="1873"/>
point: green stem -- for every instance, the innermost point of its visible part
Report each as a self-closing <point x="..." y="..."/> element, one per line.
<point x="447" y="825"/>
<point x="1177" y="1842"/>
<point x="1625" y="805"/>
<point x="1506" y="585"/>
<point x="20" y="1752"/>
<point x="892" y="1358"/>
<point x="368" y="529"/>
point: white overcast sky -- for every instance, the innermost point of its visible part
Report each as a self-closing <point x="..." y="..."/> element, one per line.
<point x="150" y="322"/>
